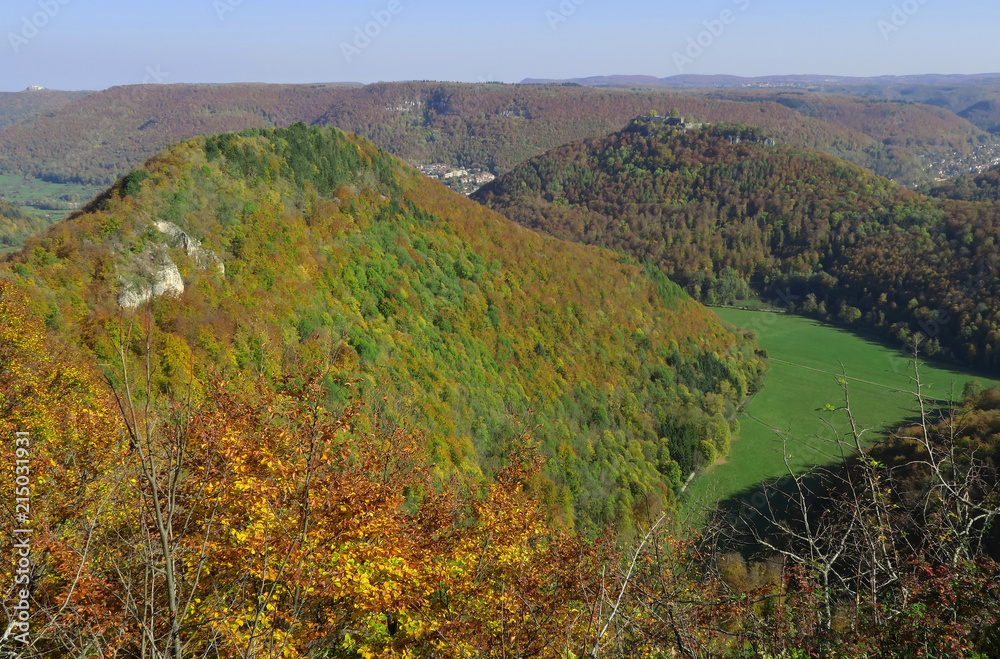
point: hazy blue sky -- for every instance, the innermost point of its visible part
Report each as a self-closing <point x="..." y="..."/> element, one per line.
<point x="93" y="44"/>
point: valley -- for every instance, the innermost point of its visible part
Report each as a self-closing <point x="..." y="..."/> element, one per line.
<point x="729" y="212"/>
<point x="93" y="138"/>
<point x="451" y="370"/>
<point x="806" y="359"/>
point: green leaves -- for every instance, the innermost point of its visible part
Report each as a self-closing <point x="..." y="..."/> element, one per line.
<point x="427" y="304"/>
<point x="131" y="183"/>
<point x="730" y="216"/>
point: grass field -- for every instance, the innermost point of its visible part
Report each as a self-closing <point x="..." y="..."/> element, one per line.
<point x="806" y="357"/>
<point x="46" y="202"/>
<point x="34" y="195"/>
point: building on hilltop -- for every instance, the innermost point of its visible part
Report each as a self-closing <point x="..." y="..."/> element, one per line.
<point x="666" y="121"/>
<point x="677" y="122"/>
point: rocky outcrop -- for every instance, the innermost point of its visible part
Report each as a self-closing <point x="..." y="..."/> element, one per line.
<point x="152" y="273"/>
<point x="203" y="258"/>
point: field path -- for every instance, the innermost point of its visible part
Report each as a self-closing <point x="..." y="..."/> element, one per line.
<point x="836" y="375"/>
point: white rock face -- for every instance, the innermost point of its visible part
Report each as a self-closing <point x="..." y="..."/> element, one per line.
<point x="152" y="273"/>
<point x="163" y="280"/>
<point x="203" y="258"/>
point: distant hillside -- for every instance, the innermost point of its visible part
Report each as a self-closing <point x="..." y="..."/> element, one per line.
<point x="972" y="97"/>
<point x="309" y="246"/>
<point x="925" y="128"/>
<point x="692" y="80"/>
<point x="984" y="186"/>
<point x="499" y="126"/>
<point x="98" y="138"/>
<point x="724" y="212"/>
<point x="976" y="100"/>
<point x="16" y="225"/>
<point x="18" y="106"/>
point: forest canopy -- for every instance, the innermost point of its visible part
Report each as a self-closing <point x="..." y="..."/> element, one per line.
<point x="726" y="212"/>
<point x="457" y="319"/>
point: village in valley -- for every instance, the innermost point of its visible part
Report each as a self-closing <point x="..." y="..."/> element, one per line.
<point x="459" y="179"/>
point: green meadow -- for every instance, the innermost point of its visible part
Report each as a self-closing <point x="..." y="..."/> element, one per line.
<point x="786" y="419"/>
<point x="43" y="198"/>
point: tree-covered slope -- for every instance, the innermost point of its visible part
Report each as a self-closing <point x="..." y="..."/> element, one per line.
<point x="498" y="126"/>
<point x="99" y="138"/>
<point x="18" y="106"/>
<point x="926" y="128"/>
<point x="724" y="209"/>
<point x="304" y="243"/>
<point x="984" y="186"/>
<point x="977" y="101"/>
<point x="16" y="225"/>
<point x="249" y="520"/>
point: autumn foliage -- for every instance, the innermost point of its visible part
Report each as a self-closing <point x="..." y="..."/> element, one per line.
<point x="288" y="527"/>
<point x="730" y="214"/>
<point x="99" y="137"/>
<point x="314" y="450"/>
<point x="469" y="327"/>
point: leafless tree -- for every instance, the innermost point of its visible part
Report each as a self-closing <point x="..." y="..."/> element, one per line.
<point x="854" y="523"/>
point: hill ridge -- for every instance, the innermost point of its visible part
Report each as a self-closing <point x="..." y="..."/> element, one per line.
<point x="725" y="216"/>
<point x="450" y="315"/>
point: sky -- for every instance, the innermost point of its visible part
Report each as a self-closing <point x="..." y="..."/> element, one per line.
<point x="95" y="44"/>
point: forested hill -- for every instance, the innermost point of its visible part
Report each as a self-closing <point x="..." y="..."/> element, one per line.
<point x="16" y="225"/>
<point x="99" y="138"/>
<point x="932" y="130"/>
<point x="18" y="106"/>
<point x="279" y="248"/>
<point x="724" y="210"/>
<point x="499" y="126"/>
<point x="984" y="186"/>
